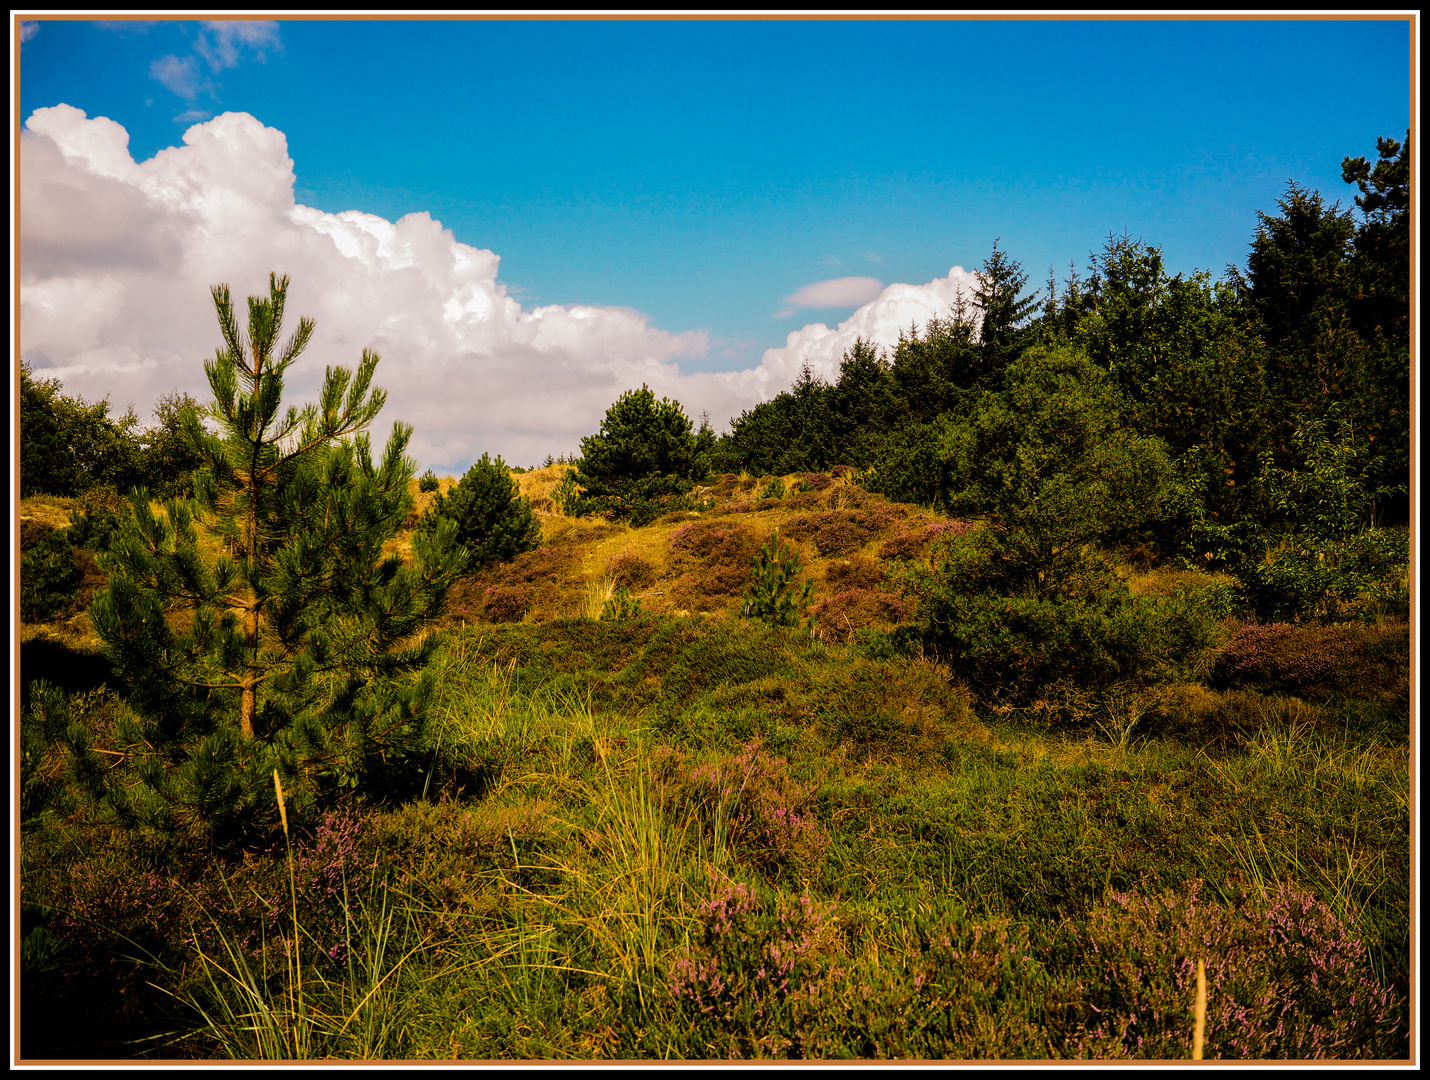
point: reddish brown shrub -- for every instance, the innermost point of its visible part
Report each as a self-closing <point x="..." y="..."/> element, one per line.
<point x="837" y="531"/>
<point x="715" y="542"/>
<point x="912" y="543"/>
<point x="1308" y="661"/>
<point x="855" y="572"/>
<point x="631" y="571"/>
<point x="840" y="615"/>
<point x="506" y="603"/>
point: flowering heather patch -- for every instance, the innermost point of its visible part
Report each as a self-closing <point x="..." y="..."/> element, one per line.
<point x="848" y="610"/>
<point x="631" y="571"/>
<point x="1285" y="979"/>
<point x="765" y="811"/>
<point x="506" y="603"/>
<point x="837" y="531"/>
<point x="100" y="895"/>
<point x="256" y="906"/>
<point x="753" y="980"/>
<point x="715" y="541"/>
<point x="757" y="983"/>
<point x="1288" y="658"/>
<point x="911" y="543"/>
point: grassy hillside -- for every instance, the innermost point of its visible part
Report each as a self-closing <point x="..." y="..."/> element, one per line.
<point x="686" y="834"/>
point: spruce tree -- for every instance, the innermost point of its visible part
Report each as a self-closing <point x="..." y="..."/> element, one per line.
<point x="261" y="624"/>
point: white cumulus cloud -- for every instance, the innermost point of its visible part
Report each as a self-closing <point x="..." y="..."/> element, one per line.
<point x="897" y="308"/>
<point x="835" y="293"/>
<point x="117" y="258"/>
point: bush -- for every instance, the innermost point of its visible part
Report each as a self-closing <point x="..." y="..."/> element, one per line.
<point x="1307" y="578"/>
<point x="766" y="979"/>
<point x="493" y="521"/>
<point x="775" y="489"/>
<point x="428" y="482"/>
<point x="506" y="603"/>
<point x="50" y="577"/>
<point x="835" y="532"/>
<point x="1313" y="661"/>
<point x="749" y="801"/>
<point x="1285" y="979"/>
<point x="911" y="543"/>
<point x="621" y="605"/>
<point x="855" y="572"/>
<point x="1013" y="647"/>
<point x="850" y="610"/>
<point x="631" y="571"/>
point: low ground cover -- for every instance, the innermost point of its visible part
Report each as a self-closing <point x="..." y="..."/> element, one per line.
<point x="684" y="834"/>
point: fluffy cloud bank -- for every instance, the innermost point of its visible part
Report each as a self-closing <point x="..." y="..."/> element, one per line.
<point x="117" y="258"/>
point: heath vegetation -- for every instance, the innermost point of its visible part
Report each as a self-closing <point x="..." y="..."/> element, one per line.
<point x="963" y="707"/>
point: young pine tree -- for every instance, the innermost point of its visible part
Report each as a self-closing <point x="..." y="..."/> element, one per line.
<point x="494" y="522"/>
<point x="261" y="625"/>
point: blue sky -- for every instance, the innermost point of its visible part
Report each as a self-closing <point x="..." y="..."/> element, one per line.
<point x="701" y="172"/>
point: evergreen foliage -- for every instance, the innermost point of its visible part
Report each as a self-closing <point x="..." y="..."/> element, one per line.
<point x="261" y="626"/>
<point x="644" y="457"/>
<point x="428" y="482"/>
<point x="49" y="577"/>
<point x="621" y="605"/>
<point x="1004" y="326"/>
<point x="770" y="597"/>
<point x="1029" y="601"/>
<point x="492" y="519"/>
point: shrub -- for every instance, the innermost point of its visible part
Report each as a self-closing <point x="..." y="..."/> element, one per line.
<point x="631" y="571"/>
<point x="493" y="521"/>
<point x="775" y="489"/>
<point x="1305" y="577"/>
<point x="50" y="577"/>
<point x="1013" y="647"/>
<point x="750" y="801"/>
<point x="714" y="541"/>
<point x="1307" y="660"/>
<point x="769" y="597"/>
<point x="850" y="610"/>
<point x="621" y="605"/>
<point x="855" y="572"/>
<point x="428" y="482"/>
<point x="1285" y="979"/>
<point x="911" y="543"/>
<point x="752" y="981"/>
<point x="835" y="532"/>
<point x="506" y="603"/>
<point x="766" y="979"/>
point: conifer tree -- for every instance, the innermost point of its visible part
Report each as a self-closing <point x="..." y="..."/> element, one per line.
<point x="644" y="455"/>
<point x="493" y="520"/>
<point x="261" y="625"/>
<point x="1003" y="329"/>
